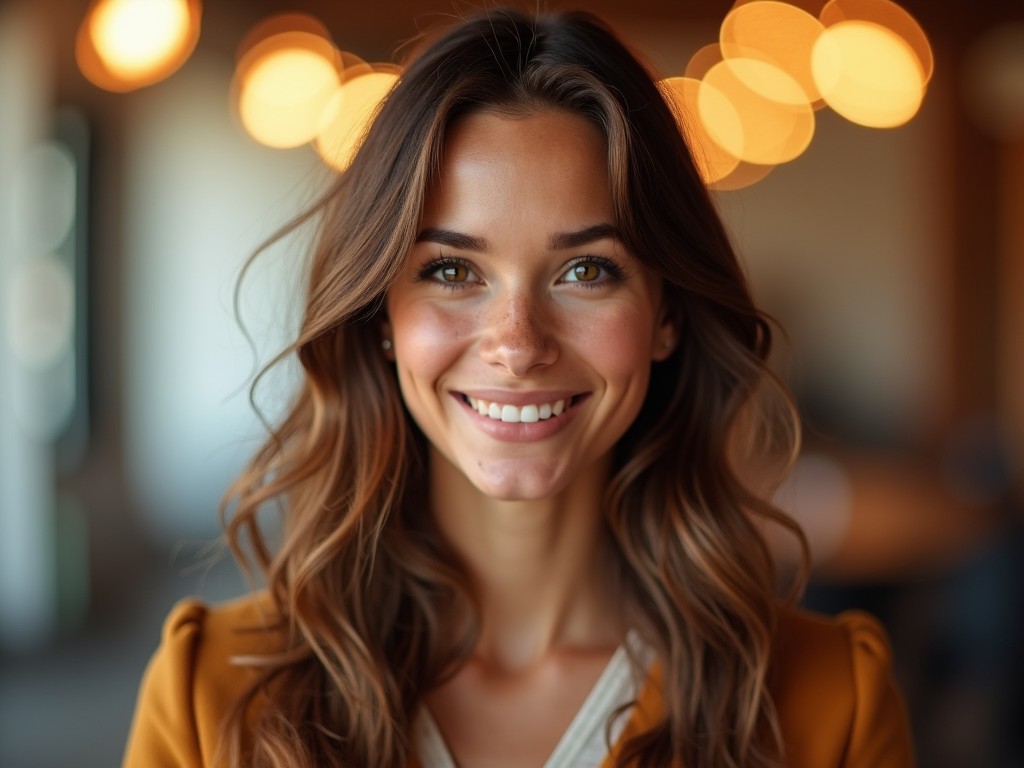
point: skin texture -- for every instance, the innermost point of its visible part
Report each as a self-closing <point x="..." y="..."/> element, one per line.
<point x="513" y="315"/>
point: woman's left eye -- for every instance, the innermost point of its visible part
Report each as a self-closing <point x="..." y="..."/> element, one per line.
<point x="591" y="271"/>
<point x="453" y="273"/>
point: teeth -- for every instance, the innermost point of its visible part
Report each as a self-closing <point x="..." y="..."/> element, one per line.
<point x="513" y="415"/>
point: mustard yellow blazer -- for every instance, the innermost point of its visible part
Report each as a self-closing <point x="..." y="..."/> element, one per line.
<point x="837" y="704"/>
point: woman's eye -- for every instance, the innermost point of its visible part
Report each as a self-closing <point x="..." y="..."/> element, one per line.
<point x="592" y="271"/>
<point x="453" y="273"/>
<point x="449" y="273"/>
<point x="584" y="272"/>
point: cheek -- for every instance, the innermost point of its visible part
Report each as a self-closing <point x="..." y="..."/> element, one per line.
<point x="427" y="339"/>
<point x="618" y="343"/>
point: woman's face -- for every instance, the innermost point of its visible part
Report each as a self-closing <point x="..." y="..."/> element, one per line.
<point x="523" y="331"/>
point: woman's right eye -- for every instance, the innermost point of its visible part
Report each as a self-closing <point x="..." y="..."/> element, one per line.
<point x="449" y="272"/>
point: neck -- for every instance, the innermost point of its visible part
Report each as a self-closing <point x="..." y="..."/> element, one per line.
<point x="539" y="568"/>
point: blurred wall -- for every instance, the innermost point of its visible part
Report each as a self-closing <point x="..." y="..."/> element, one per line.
<point x="200" y="199"/>
<point x="27" y="574"/>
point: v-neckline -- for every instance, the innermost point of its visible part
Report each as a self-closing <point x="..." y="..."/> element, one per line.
<point x="583" y="743"/>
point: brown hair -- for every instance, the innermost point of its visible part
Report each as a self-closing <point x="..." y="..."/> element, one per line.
<point x="362" y="581"/>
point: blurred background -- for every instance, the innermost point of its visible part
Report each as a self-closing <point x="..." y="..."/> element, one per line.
<point x="886" y="234"/>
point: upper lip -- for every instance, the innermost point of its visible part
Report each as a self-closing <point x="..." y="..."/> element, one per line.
<point x="519" y="398"/>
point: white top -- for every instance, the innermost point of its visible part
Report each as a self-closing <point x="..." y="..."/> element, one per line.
<point x="583" y="744"/>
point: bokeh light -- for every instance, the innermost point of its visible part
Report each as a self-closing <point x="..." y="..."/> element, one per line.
<point x="127" y="44"/>
<point x="868" y="74"/>
<point x="697" y="103"/>
<point x="812" y="7"/>
<point x="703" y="60"/>
<point x="353" y="66"/>
<point x="293" y="86"/>
<point x="743" y="175"/>
<point x="776" y="33"/>
<point x="749" y="99"/>
<point x="890" y="16"/>
<point x="283" y="85"/>
<point x="775" y="130"/>
<point x="348" y="115"/>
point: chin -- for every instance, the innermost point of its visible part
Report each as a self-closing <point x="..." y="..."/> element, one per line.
<point x="517" y="486"/>
<point x="516" y="492"/>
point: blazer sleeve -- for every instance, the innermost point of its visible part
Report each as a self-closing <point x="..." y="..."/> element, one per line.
<point x="836" y="699"/>
<point x="164" y="731"/>
<point x="879" y="730"/>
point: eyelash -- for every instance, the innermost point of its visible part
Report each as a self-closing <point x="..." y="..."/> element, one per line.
<point x="613" y="271"/>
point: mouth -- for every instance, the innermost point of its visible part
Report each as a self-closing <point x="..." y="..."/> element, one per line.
<point x="526" y="414"/>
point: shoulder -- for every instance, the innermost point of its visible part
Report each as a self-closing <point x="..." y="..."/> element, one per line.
<point x="195" y="676"/>
<point x="805" y="641"/>
<point x="832" y="685"/>
<point x="207" y="644"/>
<point x="244" y="626"/>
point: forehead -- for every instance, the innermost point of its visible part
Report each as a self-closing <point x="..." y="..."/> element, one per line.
<point x="548" y="158"/>
<point x="527" y="131"/>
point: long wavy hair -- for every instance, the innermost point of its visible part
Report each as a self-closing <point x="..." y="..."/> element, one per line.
<point x="372" y="605"/>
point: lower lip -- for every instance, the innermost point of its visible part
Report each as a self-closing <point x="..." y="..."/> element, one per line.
<point x="519" y="432"/>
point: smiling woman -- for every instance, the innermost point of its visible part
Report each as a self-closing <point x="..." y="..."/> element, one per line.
<point x="523" y="484"/>
<point x="519" y="297"/>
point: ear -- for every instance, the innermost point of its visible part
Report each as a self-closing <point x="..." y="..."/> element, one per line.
<point x="666" y="333"/>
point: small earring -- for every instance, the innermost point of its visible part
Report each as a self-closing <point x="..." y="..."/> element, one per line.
<point x="385" y="344"/>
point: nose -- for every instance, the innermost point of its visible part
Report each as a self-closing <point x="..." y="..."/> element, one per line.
<point x="519" y="334"/>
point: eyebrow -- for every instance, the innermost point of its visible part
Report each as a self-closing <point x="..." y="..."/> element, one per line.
<point x="562" y="241"/>
<point x="559" y="241"/>
<point x="452" y="239"/>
